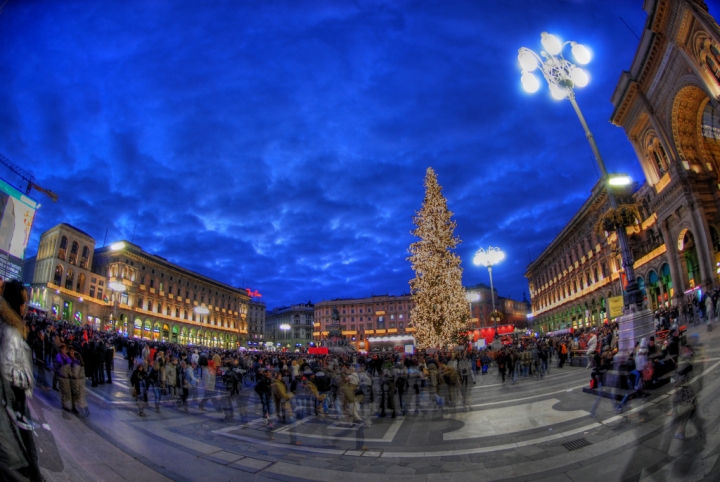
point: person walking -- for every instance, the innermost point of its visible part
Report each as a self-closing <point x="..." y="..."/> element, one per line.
<point x="109" y="362"/>
<point x="63" y="373"/>
<point x="591" y="349"/>
<point x="154" y="381"/>
<point x="171" y="375"/>
<point x="77" y="384"/>
<point x="139" y="383"/>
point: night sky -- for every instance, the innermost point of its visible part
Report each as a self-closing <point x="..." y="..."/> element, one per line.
<point x="282" y="146"/>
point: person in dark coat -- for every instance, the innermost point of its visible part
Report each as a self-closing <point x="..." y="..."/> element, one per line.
<point x="100" y="361"/>
<point x="131" y="353"/>
<point x="139" y="382"/>
<point x="88" y="355"/>
<point x="109" y="362"/>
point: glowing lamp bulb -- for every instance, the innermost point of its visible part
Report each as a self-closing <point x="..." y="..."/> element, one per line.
<point x="551" y="43"/>
<point x="581" y="53"/>
<point x="556" y="92"/>
<point x="579" y="77"/>
<point x="527" y="60"/>
<point x="530" y="83"/>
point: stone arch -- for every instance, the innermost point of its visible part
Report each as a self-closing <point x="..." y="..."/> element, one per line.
<point x="69" y="278"/>
<point x="156" y="331"/>
<point x="147" y="329"/>
<point x="62" y="250"/>
<point x="74" y="249"/>
<point x="58" y="277"/>
<point x="184" y="335"/>
<point x="137" y="327"/>
<point x="80" y="286"/>
<point x="656" y="160"/>
<point x="697" y="152"/>
<point x="192" y="336"/>
<point x="689" y="259"/>
<point x="707" y="57"/>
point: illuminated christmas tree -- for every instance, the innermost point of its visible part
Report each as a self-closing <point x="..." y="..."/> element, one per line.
<point x="441" y="310"/>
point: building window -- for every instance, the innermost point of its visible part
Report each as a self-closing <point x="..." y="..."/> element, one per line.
<point x="92" y="291"/>
<point x="150" y="307"/>
<point x="63" y="247"/>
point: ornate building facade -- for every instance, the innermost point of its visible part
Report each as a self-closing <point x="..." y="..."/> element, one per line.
<point x="290" y="326"/>
<point x="256" y="322"/>
<point x="359" y="318"/>
<point x="667" y="103"/>
<point x="123" y="288"/>
<point x="61" y="278"/>
<point x="513" y="312"/>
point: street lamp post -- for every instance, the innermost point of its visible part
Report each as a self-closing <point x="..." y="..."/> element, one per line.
<point x="472" y="296"/>
<point x="490" y="258"/>
<point x="284" y="328"/>
<point x="562" y="77"/>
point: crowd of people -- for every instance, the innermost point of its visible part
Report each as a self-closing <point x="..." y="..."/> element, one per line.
<point x="353" y="387"/>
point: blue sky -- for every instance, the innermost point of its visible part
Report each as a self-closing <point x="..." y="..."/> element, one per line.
<point x="282" y="145"/>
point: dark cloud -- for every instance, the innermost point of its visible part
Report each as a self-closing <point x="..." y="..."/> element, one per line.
<point x="282" y="145"/>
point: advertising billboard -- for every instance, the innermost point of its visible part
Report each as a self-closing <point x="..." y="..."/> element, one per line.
<point x="17" y="212"/>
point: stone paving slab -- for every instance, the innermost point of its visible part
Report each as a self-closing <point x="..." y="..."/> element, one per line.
<point x="249" y="464"/>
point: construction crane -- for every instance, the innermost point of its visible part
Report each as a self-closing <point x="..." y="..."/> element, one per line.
<point x="29" y="178"/>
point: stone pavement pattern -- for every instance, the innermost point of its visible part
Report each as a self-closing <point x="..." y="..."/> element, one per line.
<point x="511" y="432"/>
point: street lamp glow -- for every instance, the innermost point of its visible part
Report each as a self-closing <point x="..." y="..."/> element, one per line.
<point x="527" y="60"/>
<point x="117" y="286"/>
<point x="581" y="53"/>
<point x="551" y="43"/>
<point x="202" y="310"/>
<point x="117" y="246"/>
<point x="562" y="77"/>
<point x="488" y="258"/>
<point x="579" y="77"/>
<point x="284" y="327"/>
<point x="620" y="180"/>
<point x="530" y="83"/>
<point x="472" y="296"/>
<point x="557" y="92"/>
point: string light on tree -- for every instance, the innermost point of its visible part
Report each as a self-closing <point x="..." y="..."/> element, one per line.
<point x="440" y="313"/>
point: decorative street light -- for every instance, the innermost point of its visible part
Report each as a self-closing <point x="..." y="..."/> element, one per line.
<point x="472" y="296"/>
<point x="285" y="328"/>
<point x="562" y="77"/>
<point x="490" y="258"/>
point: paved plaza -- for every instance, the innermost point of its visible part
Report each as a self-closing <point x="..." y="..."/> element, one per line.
<point x="530" y="430"/>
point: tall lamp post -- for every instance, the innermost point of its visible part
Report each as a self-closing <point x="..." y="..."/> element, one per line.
<point x="562" y="77"/>
<point x="472" y="296"/>
<point x="284" y="328"/>
<point x="490" y="258"/>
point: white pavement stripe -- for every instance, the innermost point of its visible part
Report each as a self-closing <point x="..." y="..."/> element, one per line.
<point x="476" y="450"/>
<point x="506" y="402"/>
<point x="501" y="421"/>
